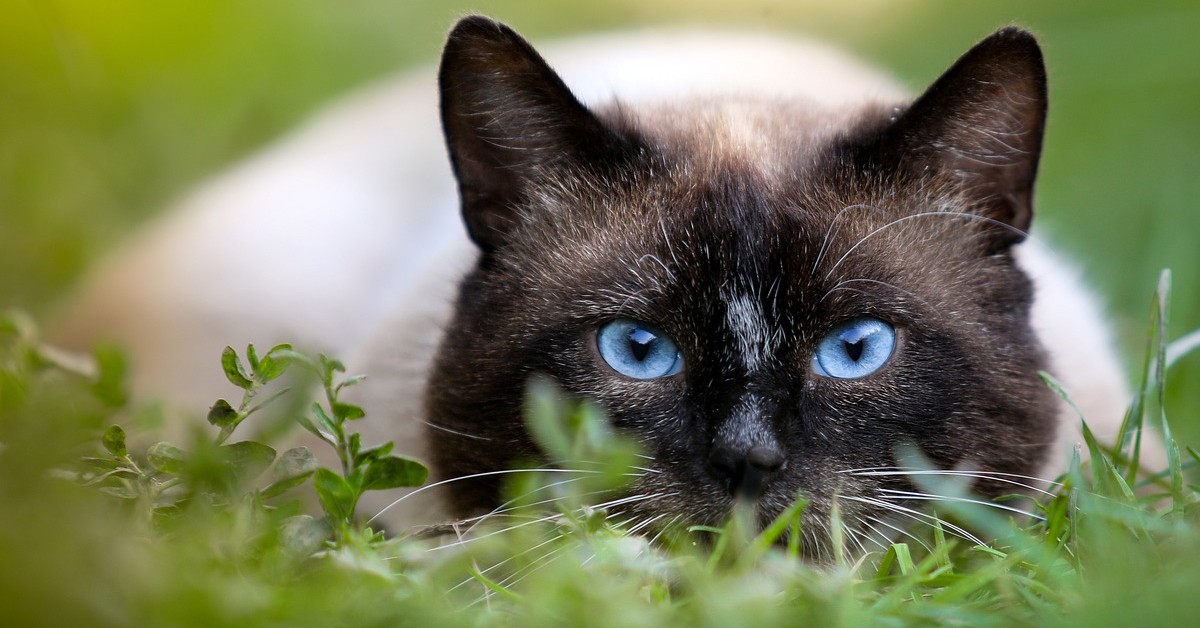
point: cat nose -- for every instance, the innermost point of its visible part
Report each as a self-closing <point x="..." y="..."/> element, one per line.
<point x="746" y="471"/>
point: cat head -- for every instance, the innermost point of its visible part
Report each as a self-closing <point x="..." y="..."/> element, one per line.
<point x="769" y="298"/>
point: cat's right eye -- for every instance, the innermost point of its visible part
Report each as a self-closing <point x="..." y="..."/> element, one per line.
<point x="638" y="350"/>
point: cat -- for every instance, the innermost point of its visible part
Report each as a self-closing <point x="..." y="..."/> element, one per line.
<point x="758" y="256"/>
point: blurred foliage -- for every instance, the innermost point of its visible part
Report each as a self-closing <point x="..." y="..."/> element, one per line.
<point x="110" y="110"/>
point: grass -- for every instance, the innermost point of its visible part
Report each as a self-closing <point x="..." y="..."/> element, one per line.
<point x="99" y="531"/>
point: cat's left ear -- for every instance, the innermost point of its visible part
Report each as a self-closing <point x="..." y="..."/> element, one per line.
<point x="982" y="122"/>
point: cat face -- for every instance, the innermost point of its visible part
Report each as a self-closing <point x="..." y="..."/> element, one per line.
<point x="770" y="299"/>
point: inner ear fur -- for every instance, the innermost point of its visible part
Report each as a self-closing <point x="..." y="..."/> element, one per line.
<point x="510" y="120"/>
<point x="982" y="122"/>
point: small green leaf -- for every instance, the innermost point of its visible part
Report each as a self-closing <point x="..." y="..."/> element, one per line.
<point x="234" y="371"/>
<point x="324" y="419"/>
<point x="252" y="358"/>
<point x="350" y="381"/>
<point x="355" y="445"/>
<point x="166" y="457"/>
<point x="312" y="429"/>
<point x="394" y="472"/>
<point x="331" y="365"/>
<point x="347" y="411"/>
<point x="114" y="441"/>
<point x="295" y="462"/>
<point x="271" y="368"/>
<point x="221" y="414"/>
<point x="335" y="494"/>
<point x="248" y="458"/>
<point x="274" y="363"/>
<point x="292" y="469"/>
<point x="372" y="453"/>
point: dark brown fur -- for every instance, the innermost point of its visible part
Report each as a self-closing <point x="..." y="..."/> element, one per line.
<point x="584" y="217"/>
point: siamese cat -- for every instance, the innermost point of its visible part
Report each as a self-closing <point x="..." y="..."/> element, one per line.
<point x="762" y="259"/>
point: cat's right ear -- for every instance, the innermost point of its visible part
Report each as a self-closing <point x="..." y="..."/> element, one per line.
<point x="510" y="120"/>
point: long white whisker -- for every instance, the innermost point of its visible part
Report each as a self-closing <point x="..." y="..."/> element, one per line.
<point x="502" y="509"/>
<point x="520" y="574"/>
<point x="870" y="533"/>
<point x="615" y="502"/>
<point x="921" y="215"/>
<point x="663" y="530"/>
<point x="983" y="475"/>
<point x="471" y="477"/>
<point x="829" y="230"/>
<point x="919" y="516"/>
<point x="554" y="536"/>
<point x="455" y="432"/>
<point x="473" y="539"/>
<point x="951" y="498"/>
<point x="850" y="534"/>
<point x="645" y="523"/>
<point x="901" y="531"/>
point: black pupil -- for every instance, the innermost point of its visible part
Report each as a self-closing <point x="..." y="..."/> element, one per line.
<point x="640" y="342"/>
<point x="854" y="350"/>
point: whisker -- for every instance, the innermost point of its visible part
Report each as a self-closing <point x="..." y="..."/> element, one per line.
<point x="663" y="530"/>
<point x="995" y="476"/>
<point x="502" y="510"/>
<point x="524" y="572"/>
<point x="829" y="230"/>
<point x="953" y="498"/>
<point x="919" y="516"/>
<point x="473" y="539"/>
<point x="472" y="477"/>
<point x="871" y="533"/>
<point x="922" y="215"/>
<point x="648" y="522"/>
<point x="615" y="502"/>
<point x="850" y="534"/>
<point x="902" y="531"/>
<point x="554" y="536"/>
<point x="455" y="432"/>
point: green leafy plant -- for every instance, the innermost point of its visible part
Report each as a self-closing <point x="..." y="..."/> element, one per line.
<point x="362" y="468"/>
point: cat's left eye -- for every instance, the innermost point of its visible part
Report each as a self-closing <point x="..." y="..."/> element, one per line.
<point x="638" y="350"/>
<point x="855" y="349"/>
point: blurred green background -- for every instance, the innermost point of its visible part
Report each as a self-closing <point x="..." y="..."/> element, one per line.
<point x="110" y="109"/>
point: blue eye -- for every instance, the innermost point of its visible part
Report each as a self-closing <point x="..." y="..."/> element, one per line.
<point x="855" y="349"/>
<point x="638" y="350"/>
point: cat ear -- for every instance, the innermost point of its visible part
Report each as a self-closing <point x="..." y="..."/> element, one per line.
<point x="983" y="122"/>
<point x="509" y="120"/>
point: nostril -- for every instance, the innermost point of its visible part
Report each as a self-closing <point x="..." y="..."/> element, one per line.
<point x="745" y="472"/>
<point x="727" y="463"/>
<point x="766" y="460"/>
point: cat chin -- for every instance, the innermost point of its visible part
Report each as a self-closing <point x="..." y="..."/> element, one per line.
<point x="366" y="181"/>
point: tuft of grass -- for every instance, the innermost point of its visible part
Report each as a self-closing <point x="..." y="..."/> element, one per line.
<point x="98" y="530"/>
